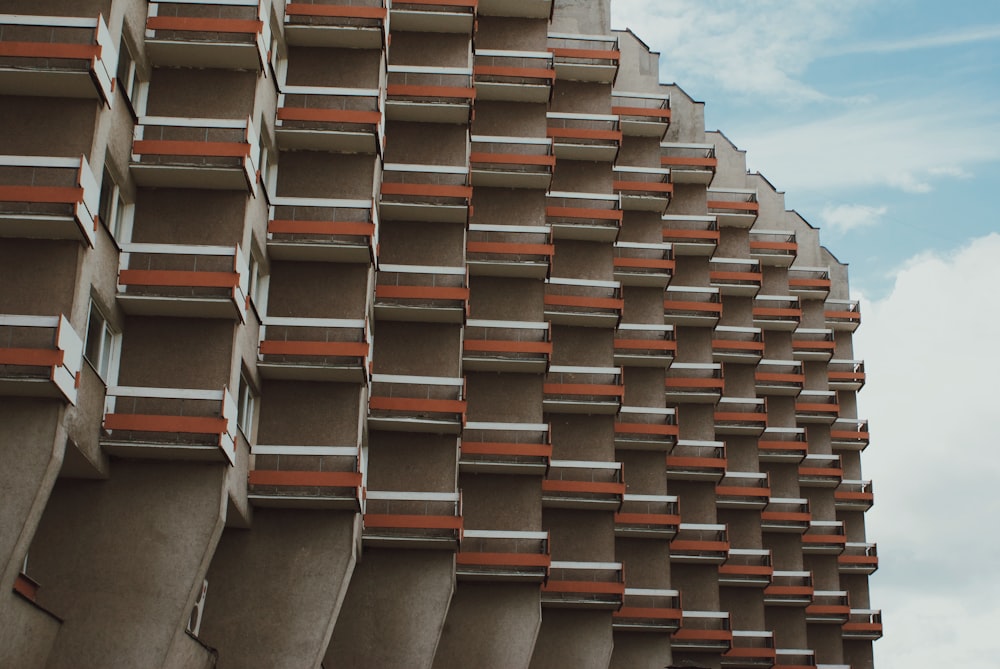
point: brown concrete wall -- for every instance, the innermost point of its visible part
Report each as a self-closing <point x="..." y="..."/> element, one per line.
<point x="27" y="633"/>
<point x="567" y="638"/>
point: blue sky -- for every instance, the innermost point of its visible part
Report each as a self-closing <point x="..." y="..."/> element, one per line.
<point x="880" y="120"/>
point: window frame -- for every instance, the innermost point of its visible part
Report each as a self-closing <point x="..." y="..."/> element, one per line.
<point x="106" y="349"/>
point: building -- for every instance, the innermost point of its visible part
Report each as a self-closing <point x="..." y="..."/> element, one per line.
<point x="436" y="335"/>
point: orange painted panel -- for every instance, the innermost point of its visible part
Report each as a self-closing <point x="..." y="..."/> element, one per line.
<point x="177" y="278"/>
<point x="49" y="50"/>
<point x="31" y="357"/>
<point x="315" y="348"/>
<point x="147" y="423"/>
<point x="321" y="228"/>
<point x="42" y="194"/>
<point x="329" y="115"/>
<point x="184" y="148"/>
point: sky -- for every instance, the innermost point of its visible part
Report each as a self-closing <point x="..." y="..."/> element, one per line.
<point x="880" y="120"/>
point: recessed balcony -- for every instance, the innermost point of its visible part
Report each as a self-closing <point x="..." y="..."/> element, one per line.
<point x="512" y="162"/>
<point x="648" y="610"/>
<point x="217" y="34"/>
<point x="694" y="460"/>
<point x="786" y="514"/>
<point x="421" y="293"/>
<point x="57" y="56"/>
<point x="842" y="315"/>
<point x="429" y="94"/>
<point x="853" y="495"/>
<point x="436" y="193"/>
<point x="849" y="434"/>
<point x="689" y="163"/>
<point x="40" y="356"/>
<point x="746" y="568"/>
<point x="583" y="302"/>
<point x="816" y="406"/>
<point x="809" y="283"/>
<point x="594" y="217"/>
<point x="824" y="537"/>
<point x="740" y="416"/>
<point x="322" y="230"/>
<point x="735" y="276"/>
<point x="506" y="346"/>
<point x="583" y="390"/>
<point x="503" y="556"/>
<point x="528" y="9"/>
<point x="521" y="251"/>
<point x="691" y="235"/>
<point x="737" y="345"/>
<point x="643" y="264"/>
<point x="733" y="207"/>
<point x="183" y="281"/>
<point x="820" y="471"/>
<point x="646" y="429"/>
<point x="64" y="208"/>
<point x="795" y="658"/>
<point x="813" y="344"/>
<point x="433" y="16"/>
<point x="169" y="424"/>
<point x="314" y="349"/>
<point x="782" y="444"/>
<point x="643" y="188"/>
<point x="846" y="375"/>
<point x="829" y="607"/>
<point x="592" y="58"/>
<point x="858" y="558"/>
<point x="582" y="484"/>
<point x="751" y="649"/>
<point x="177" y="152"/>
<point x="789" y="588"/>
<point x="692" y="305"/>
<point x="647" y="517"/>
<point x="640" y="345"/>
<point x="505" y="448"/>
<point x="777" y="312"/>
<point x="584" y="585"/>
<point x="412" y="519"/>
<point x="699" y="543"/>
<point x="773" y="248"/>
<point x="694" y="383"/>
<point x="514" y="76"/>
<point x="742" y="490"/>
<point x="864" y="624"/>
<point x="591" y="137"/>
<point x="783" y="378"/>
<point x="306" y="477"/>
<point x="350" y="24"/>
<point x="417" y="404"/>
<point x="642" y="114"/>
<point x="703" y="632"/>
<point x="343" y="120"/>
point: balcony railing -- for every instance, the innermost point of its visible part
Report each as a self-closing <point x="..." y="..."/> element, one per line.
<point x="647" y="517"/>
<point x="733" y="207"/>
<point x="858" y="558"/>
<point x="40" y="356"/>
<point x="169" y="423"/>
<point x="842" y="314"/>
<point x="506" y="346"/>
<point x="703" y="632"/>
<point x="438" y="193"/>
<point x="585" y="57"/>
<point x="695" y="460"/>
<point x="57" y="56"/>
<point x="587" y="390"/>
<point x="514" y="76"/>
<point x="737" y="344"/>
<point x="817" y="406"/>
<point x="846" y="374"/>
<point x="735" y="276"/>
<point x="740" y="416"/>
<point x="646" y="429"/>
<point x="751" y="649"/>
<point x="820" y="471"/>
<point x="643" y="264"/>
<point x="853" y="495"/>
<point x="789" y="588"/>
<point x="648" y="610"/>
<point x="747" y="567"/>
<point x="523" y="251"/>
<point x="742" y="490"/>
<point x="699" y="543"/>
<point x="322" y="230"/>
<point x="815" y="344"/>
<point x="502" y="555"/>
<point x="219" y="34"/>
<point x="306" y="477"/>
<point x="413" y="519"/>
<point x="356" y="24"/>
<point x="773" y="248"/>
<point x="429" y="94"/>
<point x="777" y="312"/>
<point x="640" y="345"/>
<point x="694" y="382"/>
<point x="434" y="16"/>
<point x="689" y="163"/>
<point x="642" y="114"/>
<point x="795" y="658"/>
<point x="417" y="404"/>
<point x="863" y="624"/>
<point x="512" y="162"/>
<point x="314" y="349"/>
<point x="580" y="484"/>
<point x="529" y="9"/>
<point x="505" y="448"/>
<point x="782" y="444"/>
<point x="347" y="120"/>
<point x="421" y="293"/>
<point x="829" y="607"/>
<point x="779" y="377"/>
<point x="583" y="302"/>
<point x="786" y="514"/>
<point x="691" y="235"/>
<point x="692" y="305"/>
<point x="584" y="585"/>
<point x="849" y="434"/>
<point x="64" y="208"/>
<point x="643" y="188"/>
<point x="825" y="537"/>
<point x="595" y="217"/>
<point x="809" y="283"/>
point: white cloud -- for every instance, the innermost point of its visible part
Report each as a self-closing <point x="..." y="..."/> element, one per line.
<point x="955" y="38"/>
<point x="845" y="217"/>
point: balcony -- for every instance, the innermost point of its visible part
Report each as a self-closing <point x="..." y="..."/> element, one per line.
<point x="314" y="349"/>
<point x="692" y="305"/>
<point x="529" y="9"/>
<point x="689" y="163"/>
<point x="643" y="188"/>
<point x="746" y="568"/>
<point x="592" y="58"/>
<point x="583" y="390"/>
<point x="824" y="537"/>
<point x="813" y="344"/>
<point x="795" y="658"/>
<point x="514" y="76"/>
<point x="65" y="208"/>
<point x="742" y="490"/>
<point x="592" y="137"/>
<point x="346" y="24"/>
<point x="506" y="346"/>
<point x="412" y="520"/>
<point x="773" y="248"/>
<point x="694" y="383"/>
<point x="790" y="588"/>
<point x="417" y="404"/>
<point x="57" y="56"/>
<point x="579" y="484"/>
<point x="342" y="120"/>
<point x="691" y="235"/>
<point x="777" y="312"/>
<point x="647" y="517"/>
<point x="594" y="217"/>
<point x="505" y="448"/>
<point x="183" y="281"/>
<point x="512" y="162"/>
<point x="782" y="444"/>
<point x="643" y="265"/>
<point x="820" y="471"/>
<point x="306" y="477"/>
<point x="437" y="193"/>
<point x="169" y="424"/>
<point x="521" y="251"/>
<point x="786" y="514"/>
<point x="858" y="558"/>
<point x="737" y="345"/>
<point x="842" y="315"/>
<point x="751" y="649"/>
<point x="700" y="544"/>
<point x="421" y="293"/>
<point x="829" y="607"/>
<point x="640" y="345"/>
<point x="175" y="152"/>
<point x="703" y="632"/>
<point x="583" y="302"/>
<point x="809" y="283"/>
<point x="218" y="34"/>
<point x="646" y="429"/>
<point x="648" y="610"/>
<point x="584" y="585"/>
<point x="642" y="114"/>
<point x="434" y="16"/>
<point x="783" y="378"/>
<point x="864" y="624"/>
<point x="322" y="230"/>
<point x="733" y="207"/>
<point x="740" y="416"/>
<point x="735" y="276"/>
<point x="503" y="556"/>
<point x="817" y="407"/>
<point x="40" y="356"/>
<point x="693" y="460"/>
<point x="849" y="434"/>
<point x="853" y="495"/>
<point x="429" y="94"/>
<point x="846" y="375"/>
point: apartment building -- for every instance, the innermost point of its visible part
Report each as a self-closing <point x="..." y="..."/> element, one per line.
<point x="423" y="333"/>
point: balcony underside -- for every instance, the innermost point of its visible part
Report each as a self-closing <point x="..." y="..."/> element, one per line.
<point x="414" y="424"/>
<point x="474" y="363"/>
<point x="290" y="371"/>
<point x="432" y="213"/>
<point x="43" y="226"/>
<point x="345" y="37"/>
<point x="179" y="307"/>
<point x="153" y="450"/>
<point x="510" y="92"/>
<point x="36" y="386"/>
<point x="319" y="252"/>
<point x="407" y="20"/>
<point x="681" y="175"/>
<point x="189" y="176"/>
<point x="508" y="268"/>
<point x="50" y="83"/>
<point x="215" y="55"/>
<point x="428" y="112"/>
<point x="417" y="314"/>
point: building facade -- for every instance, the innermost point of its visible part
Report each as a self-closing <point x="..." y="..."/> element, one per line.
<point x="431" y="333"/>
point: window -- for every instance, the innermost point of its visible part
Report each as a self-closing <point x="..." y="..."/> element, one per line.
<point x="101" y="346"/>
<point x="258" y="282"/>
<point x="128" y="80"/>
<point x="246" y="402"/>
<point x="113" y="210"/>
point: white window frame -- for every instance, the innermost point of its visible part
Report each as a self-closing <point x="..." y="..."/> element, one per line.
<point x="107" y="349"/>
<point x="118" y="221"/>
<point x="246" y="405"/>
<point x="134" y="87"/>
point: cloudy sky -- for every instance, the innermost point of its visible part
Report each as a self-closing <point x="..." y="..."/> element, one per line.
<point x="880" y="119"/>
